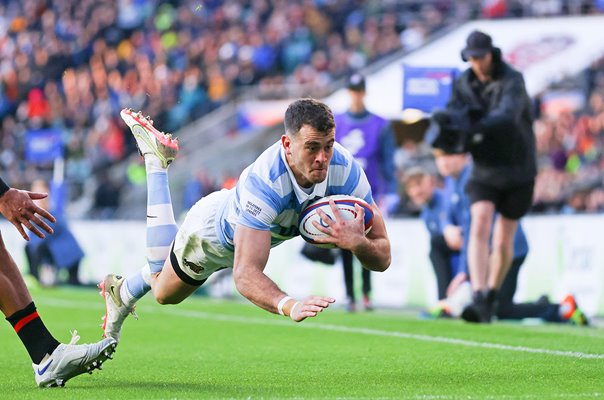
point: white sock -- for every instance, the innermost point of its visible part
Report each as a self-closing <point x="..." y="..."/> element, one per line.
<point x="146" y="274"/>
<point x="153" y="164"/>
<point x="127" y="298"/>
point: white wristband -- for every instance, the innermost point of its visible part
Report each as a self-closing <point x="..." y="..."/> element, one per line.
<point x="282" y="303"/>
<point x="291" y="312"/>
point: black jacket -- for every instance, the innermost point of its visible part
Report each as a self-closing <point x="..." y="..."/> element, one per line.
<point x="502" y="142"/>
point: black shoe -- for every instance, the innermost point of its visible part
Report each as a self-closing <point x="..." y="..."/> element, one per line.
<point x="543" y="300"/>
<point x="480" y="311"/>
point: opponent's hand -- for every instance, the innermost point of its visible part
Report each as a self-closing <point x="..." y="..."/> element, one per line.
<point x="346" y="234"/>
<point x="309" y="307"/>
<point x="18" y="207"/>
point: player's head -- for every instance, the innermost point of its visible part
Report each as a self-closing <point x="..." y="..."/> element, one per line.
<point x="449" y="164"/>
<point x="308" y="140"/>
<point x="419" y="186"/>
<point x="479" y="53"/>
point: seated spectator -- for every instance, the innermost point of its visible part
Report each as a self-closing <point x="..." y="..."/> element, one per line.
<point x="420" y="188"/>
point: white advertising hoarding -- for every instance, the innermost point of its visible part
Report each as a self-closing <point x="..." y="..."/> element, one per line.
<point x="566" y="256"/>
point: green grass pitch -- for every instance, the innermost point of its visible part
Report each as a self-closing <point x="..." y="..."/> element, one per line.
<point x="216" y="349"/>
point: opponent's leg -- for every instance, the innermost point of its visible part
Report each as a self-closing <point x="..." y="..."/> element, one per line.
<point x="53" y="362"/>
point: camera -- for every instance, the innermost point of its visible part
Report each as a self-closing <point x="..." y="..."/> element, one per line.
<point x="452" y="130"/>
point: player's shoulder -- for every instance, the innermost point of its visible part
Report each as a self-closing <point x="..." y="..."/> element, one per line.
<point x="269" y="165"/>
<point x="341" y="155"/>
<point x="268" y="173"/>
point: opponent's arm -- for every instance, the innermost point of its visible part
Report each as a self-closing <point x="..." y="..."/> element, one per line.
<point x="372" y="250"/>
<point x="252" y="247"/>
<point x="18" y="207"/>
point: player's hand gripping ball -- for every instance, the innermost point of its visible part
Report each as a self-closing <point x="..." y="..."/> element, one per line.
<point x="344" y="204"/>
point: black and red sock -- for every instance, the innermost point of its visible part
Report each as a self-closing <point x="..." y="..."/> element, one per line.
<point x="33" y="333"/>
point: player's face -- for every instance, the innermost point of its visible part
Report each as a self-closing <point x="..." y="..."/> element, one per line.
<point x="309" y="154"/>
<point x="482" y="65"/>
<point x="420" y="191"/>
<point x="450" y="164"/>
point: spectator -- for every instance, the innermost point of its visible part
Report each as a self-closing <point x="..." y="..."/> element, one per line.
<point x="420" y="187"/>
<point x="106" y="197"/>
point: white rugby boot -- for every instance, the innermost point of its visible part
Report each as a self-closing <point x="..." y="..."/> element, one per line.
<point x="115" y="309"/>
<point x="69" y="360"/>
<point x="148" y="139"/>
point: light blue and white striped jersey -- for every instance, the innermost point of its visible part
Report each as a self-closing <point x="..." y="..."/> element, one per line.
<point x="267" y="196"/>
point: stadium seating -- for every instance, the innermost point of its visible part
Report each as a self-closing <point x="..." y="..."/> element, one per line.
<point x="71" y="66"/>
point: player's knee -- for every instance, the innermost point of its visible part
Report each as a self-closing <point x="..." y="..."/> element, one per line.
<point x="165" y="298"/>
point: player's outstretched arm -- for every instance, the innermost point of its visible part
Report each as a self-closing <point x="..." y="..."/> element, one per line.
<point x="252" y="249"/>
<point x="17" y="207"/>
<point x="372" y="250"/>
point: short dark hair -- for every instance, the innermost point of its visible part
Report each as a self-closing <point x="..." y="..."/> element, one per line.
<point x="311" y="112"/>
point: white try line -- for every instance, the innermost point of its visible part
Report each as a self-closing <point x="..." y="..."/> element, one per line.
<point x="502" y="396"/>
<point x="332" y="328"/>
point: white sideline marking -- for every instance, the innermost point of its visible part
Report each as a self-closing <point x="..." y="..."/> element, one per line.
<point x="503" y="396"/>
<point x="337" y="328"/>
<point x="376" y="332"/>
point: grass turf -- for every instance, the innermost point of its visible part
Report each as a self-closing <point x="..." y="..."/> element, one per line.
<point x="213" y="349"/>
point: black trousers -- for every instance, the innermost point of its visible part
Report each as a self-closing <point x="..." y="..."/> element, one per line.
<point x="42" y="255"/>
<point x="440" y="256"/>
<point x="507" y="309"/>
<point x="347" y="261"/>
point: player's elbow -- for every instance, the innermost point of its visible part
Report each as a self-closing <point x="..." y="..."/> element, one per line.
<point x="379" y="265"/>
<point x="241" y="281"/>
<point x="384" y="258"/>
<point x="384" y="265"/>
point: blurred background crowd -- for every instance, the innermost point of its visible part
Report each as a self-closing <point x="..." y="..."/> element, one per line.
<point x="71" y="66"/>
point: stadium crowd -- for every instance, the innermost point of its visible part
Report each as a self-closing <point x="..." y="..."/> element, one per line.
<point x="71" y="66"/>
<point x="569" y="145"/>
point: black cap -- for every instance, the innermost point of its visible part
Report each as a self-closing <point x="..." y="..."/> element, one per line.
<point x="356" y="82"/>
<point x="477" y="45"/>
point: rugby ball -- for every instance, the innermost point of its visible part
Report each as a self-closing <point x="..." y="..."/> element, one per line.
<point x="344" y="204"/>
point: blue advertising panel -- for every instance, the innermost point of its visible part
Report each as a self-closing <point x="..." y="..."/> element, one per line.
<point x="43" y="146"/>
<point x="427" y="88"/>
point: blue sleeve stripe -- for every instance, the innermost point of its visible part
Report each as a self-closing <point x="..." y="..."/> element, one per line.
<point x="354" y="185"/>
<point x="277" y="169"/>
<point x="353" y="179"/>
<point x="162" y="235"/>
<point x="257" y="187"/>
<point x="338" y="158"/>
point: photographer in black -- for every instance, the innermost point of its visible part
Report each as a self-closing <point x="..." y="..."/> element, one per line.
<point x="489" y="115"/>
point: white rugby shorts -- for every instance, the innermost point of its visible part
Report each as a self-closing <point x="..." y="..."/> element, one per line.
<point x="197" y="252"/>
